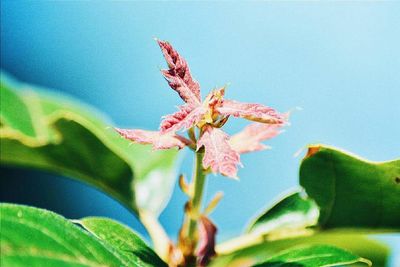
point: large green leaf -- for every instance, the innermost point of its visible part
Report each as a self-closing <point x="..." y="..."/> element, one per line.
<point x="129" y="243"/>
<point x="265" y="248"/>
<point x="36" y="237"/>
<point x="344" y="192"/>
<point x="350" y="191"/>
<point x="71" y="156"/>
<point x="56" y="133"/>
<point x="311" y="256"/>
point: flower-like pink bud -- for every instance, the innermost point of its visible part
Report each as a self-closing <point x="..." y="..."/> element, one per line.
<point x="221" y="153"/>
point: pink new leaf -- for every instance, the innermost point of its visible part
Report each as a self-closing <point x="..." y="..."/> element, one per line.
<point x="185" y="118"/>
<point x="206" y="249"/>
<point x="215" y="98"/>
<point x="178" y="75"/>
<point x="250" y="138"/>
<point x="218" y="155"/>
<point x="250" y="111"/>
<point x="159" y="141"/>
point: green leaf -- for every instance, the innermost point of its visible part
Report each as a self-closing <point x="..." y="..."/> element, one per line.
<point x="294" y="211"/>
<point x="263" y="249"/>
<point x="350" y="191"/>
<point x="14" y="112"/>
<point x="129" y="244"/>
<point x="40" y="129"/>
<point x="77" y="153"/>
<point x="35" y="237"/>
<point x="351" y="195"/>
<point x="311" y="256"/>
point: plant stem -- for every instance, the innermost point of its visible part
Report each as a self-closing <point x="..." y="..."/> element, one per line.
<point x="199" y="178"/>
<point x="188" y="236"/>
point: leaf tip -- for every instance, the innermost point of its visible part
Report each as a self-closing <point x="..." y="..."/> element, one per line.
<point x="313" y="149"/>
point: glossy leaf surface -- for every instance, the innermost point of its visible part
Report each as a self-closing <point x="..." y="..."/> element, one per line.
<point x="375" y="251"/>
<point x="295" y="211"/>
<point x="343" y="190"/>
<point x="350" y="191"/>
<point x="131" y="246"/>
<point x="36" y="237"/>
<point x="311" y="256"/>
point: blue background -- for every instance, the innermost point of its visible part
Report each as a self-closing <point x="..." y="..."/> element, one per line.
<point x="339" y="61"/>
